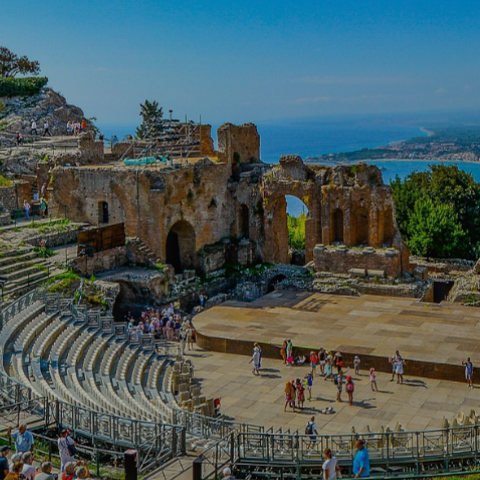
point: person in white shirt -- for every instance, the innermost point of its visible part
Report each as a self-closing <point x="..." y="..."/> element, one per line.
<point x="64" y="442"/>
<point x="28" y="467"/>
<point x="330" y="467"/>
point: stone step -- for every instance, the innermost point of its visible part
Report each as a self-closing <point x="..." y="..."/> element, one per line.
<point x="16" y="266"/>
<point x="13" y="256"/>
<point x="24" y="272"/>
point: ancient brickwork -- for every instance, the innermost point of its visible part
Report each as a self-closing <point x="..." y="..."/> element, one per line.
<point x="347" y="205"/>
<point x="195" y="214"/>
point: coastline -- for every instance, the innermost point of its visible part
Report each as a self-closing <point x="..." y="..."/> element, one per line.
<point x="430" y="133"/>
<point x="370" y="161"/>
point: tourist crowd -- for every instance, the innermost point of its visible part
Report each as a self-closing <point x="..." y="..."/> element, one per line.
<point x="21" y="464"/>
<point x="75" y="128"/>
<point x="168" y="323"/>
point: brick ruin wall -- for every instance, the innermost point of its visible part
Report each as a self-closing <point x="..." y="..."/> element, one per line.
<point x="206" y="204"/>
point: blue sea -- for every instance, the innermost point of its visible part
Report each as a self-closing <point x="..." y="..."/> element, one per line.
<point x="316" y="136"/>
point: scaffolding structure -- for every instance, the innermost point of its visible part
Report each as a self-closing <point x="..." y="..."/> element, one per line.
<point x="172" y="139"/>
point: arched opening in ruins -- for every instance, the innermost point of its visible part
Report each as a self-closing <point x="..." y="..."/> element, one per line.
<point x="103" y="212"/>
<point x="296" y="215"/>
<point x="272" y="284"/>
<point x="361" y="226"/>
<point x="180" y="247"/>
<point x="243" y="221"/>
<point x="338" y="226"/>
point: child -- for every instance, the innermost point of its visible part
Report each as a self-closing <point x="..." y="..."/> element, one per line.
<point x="300" y="393"/>
<point x="350" y="389"/>
<point x="308" y="382"/>
<point x="373" y="380"/>
<point x="356" y="364"/>
<point x="338" y="380"/>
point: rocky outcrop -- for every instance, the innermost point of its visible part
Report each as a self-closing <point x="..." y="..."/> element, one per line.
<point x="18" y="112"/>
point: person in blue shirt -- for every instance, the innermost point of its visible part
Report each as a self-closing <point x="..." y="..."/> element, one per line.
<point x="23" y="439"/>
<point x="361" y="462"/>
<point x="4" y="469"/>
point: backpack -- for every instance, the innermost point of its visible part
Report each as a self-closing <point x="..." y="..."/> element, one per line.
<point x="336" y="380"/>
<point x="309" y="428"/>
<point x="349" y="387"/>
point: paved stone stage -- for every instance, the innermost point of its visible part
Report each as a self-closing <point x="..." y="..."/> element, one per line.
<point x="433" y="338"/>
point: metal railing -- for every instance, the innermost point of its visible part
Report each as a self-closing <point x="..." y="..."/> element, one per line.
<point x="413" y="449"/>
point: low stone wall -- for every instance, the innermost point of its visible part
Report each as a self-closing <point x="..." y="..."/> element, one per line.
<point x="55" y="239"/>
<point x="342" y="259"/>
<point x="100" y="261"/>
<point x="418" y="368"/>
<point x="8" y="199"/>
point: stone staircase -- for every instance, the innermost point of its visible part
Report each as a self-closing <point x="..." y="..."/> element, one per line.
<point x="23" y="270"/>
<point x="140" y="253"/>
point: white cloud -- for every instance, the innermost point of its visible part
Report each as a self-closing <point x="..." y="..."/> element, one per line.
<point x="441" y="91"/>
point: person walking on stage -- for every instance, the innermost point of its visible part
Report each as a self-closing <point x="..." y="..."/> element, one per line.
<point x="468" y="372"/>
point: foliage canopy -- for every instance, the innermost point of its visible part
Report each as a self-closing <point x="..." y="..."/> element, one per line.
<point x="296" y="231"/>
<point x="152" y="120"/>
<point x="11" y="64"/>
<point x="438" y="212"/>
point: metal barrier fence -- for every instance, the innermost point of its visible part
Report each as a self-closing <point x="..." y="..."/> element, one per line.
<point x="415" y="451"/>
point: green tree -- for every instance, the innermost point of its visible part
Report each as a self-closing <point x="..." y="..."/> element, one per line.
<point x="11" y="64"/>
<point x="296" y="231"/>
<point x="444" y="186"/>
<point x="152" y="120"/>
<point x="435" y="231"/>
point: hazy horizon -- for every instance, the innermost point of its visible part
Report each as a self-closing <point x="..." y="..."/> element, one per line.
<point x="253" y="61"/>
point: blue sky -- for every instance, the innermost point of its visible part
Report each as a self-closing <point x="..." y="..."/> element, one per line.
<point x="252" y="60"/>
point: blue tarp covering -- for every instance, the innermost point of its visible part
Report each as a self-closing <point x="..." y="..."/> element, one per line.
<point x="144" y="160"/>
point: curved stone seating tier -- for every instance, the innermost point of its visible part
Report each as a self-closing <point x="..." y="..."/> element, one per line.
<point x="126" y="392"/>
<point x="15" y="325"/>
<point x="76" y="358"/>
<point x="56" y="357"/>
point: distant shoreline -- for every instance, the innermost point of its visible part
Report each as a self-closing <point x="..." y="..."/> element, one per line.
<point x="373" y="160"/>
<point x="430" y="133"/>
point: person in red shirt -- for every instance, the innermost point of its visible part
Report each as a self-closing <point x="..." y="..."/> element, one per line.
<point x="84" y="124"/>
<point x="313" y="362"/>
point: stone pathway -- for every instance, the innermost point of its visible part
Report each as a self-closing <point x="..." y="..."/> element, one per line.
<point x="418" y="404"/>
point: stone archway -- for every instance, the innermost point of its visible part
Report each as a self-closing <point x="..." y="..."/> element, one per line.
<point x="180" y="246"/>
<point x="290" y="178"/>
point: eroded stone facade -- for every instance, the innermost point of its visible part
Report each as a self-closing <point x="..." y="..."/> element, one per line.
<point x="230" y="207"/>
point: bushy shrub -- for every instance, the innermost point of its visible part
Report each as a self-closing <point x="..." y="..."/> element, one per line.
<point x="12" y="87"/>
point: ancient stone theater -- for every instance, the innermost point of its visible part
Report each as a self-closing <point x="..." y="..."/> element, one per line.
<point x="226" y="205"/>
